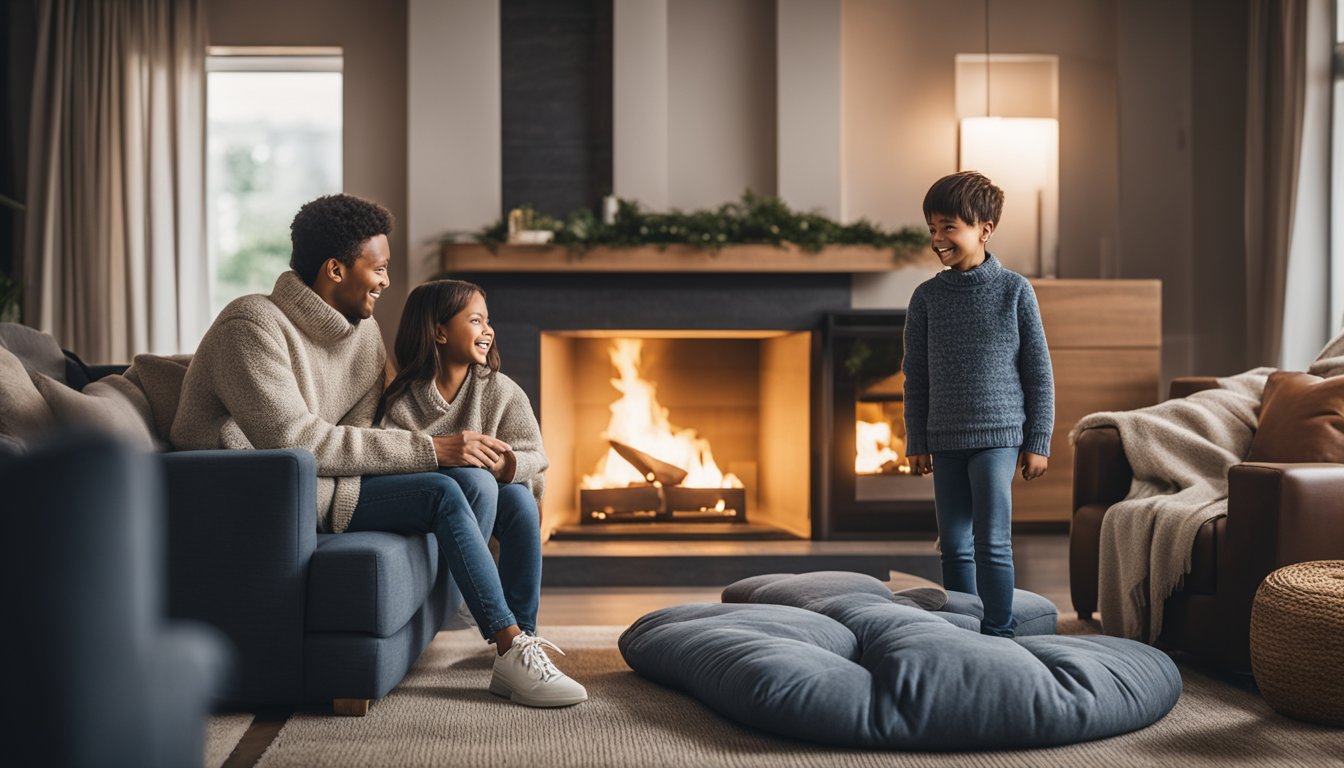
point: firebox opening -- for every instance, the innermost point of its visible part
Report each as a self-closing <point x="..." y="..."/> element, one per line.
<point x="700" y="427"/>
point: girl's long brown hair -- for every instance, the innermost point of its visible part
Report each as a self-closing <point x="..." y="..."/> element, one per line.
<point x="416" y="353"/>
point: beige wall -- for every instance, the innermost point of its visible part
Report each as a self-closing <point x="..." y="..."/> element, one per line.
<point x="372" y="34"/>
<point x="900" y="112"/>
<point x="455" y="177"/>
<point x="639" y="167"/>
<point x="1156" y="192"/>
<point x="809" y="115"/>
<point x="721" y="100"/>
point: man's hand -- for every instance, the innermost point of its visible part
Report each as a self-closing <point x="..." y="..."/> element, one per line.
<point x="471" y="449"/>
<point x="921" y="463"/>
<point x="1033" y="464"/>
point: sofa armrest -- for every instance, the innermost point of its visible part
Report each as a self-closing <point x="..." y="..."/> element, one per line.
<point x="242" y="527"/>
<point x="1277" y="514"/>
<point x="1101" y="473"/>
<point x="1184" y="386"/>
<point x="1101" y="477"/>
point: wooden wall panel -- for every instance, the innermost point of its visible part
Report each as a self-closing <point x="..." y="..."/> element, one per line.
<point x="1106" y="350"/>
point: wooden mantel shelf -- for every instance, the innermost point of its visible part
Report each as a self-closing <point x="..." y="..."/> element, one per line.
<point x="474" y="257"/>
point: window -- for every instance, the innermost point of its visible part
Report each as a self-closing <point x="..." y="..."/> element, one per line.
<point x="273" y="127"/>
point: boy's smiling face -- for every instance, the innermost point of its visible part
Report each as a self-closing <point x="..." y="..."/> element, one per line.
<point x="958" y="244"/>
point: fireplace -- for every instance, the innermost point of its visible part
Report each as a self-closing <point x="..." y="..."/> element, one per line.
<point x="745" y="362"/>
<point x="865" y="476"/>
<point x="705" y="427"/>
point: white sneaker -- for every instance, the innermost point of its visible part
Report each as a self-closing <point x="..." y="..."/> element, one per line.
<point x="526" y="675"/>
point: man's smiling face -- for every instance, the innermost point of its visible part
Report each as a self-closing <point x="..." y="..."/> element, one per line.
<point x="363" y="282"/>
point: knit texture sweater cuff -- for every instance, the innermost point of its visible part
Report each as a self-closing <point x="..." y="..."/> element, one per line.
<point x="1037" y="443"/>
<point x="343" y="503"/>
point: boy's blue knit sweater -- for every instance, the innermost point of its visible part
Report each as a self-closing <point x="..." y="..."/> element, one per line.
<point x="977" y="370"/>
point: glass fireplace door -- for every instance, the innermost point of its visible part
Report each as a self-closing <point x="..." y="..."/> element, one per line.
<point x="870" y="489"/>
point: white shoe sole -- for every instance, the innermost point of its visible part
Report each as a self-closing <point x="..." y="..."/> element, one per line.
<point x="500" y="687"/>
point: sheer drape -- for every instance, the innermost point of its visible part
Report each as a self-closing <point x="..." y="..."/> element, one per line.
<point x="115" y="261"/>
<point x="1276" y="85"/>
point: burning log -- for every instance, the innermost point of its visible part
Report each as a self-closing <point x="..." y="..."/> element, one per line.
<point x="652" y="469"/>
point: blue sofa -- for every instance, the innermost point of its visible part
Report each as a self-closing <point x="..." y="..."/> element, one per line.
<point x="97" y="676"/>
<point x="314" y="618"/>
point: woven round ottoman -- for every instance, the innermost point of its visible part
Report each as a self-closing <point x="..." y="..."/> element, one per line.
<point x="1297" y="640"/>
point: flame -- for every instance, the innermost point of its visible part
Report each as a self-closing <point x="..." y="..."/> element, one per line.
<point x="640" y="422"/>
<point x="877" y="451"/>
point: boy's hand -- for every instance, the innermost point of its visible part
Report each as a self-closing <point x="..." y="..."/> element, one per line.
<point x="921" y="463"/>
<point x="1033" y="464"/>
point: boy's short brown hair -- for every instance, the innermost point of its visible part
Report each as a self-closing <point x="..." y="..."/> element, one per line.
<point x="968" y="195"/>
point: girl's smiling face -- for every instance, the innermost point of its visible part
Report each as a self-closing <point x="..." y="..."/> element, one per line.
<point x="467" y="336"/>
<point x="958" y="245"/>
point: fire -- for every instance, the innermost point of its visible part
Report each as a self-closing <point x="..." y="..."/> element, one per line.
<point x="639" y="421"/>
<point x="877" y="451"/>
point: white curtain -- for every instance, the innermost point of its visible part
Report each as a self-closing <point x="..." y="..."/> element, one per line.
<point x="115" y="261"/>
<point x="1276" y="85"/>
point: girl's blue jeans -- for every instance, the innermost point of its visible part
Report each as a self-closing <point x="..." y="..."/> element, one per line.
<point x="973" y="495"/>
<point x="463" y="507"/>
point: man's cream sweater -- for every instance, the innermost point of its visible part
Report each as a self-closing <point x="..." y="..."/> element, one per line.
<point x="490" y="403"/>
<point x="289" y="371"/>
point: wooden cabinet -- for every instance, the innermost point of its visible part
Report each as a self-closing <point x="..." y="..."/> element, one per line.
<point x="1105" y="340"/>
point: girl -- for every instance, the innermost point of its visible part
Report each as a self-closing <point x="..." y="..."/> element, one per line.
<point x="979" y="392"/>
<point x="449" y="384"/>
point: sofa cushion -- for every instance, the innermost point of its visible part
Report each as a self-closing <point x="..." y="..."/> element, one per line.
<point x="23" y="412"/>
<point x="1301" y="420"/>
<point x="859" y="669"/>
<point x="113" y="404"/>
<point x="369" y="582"/>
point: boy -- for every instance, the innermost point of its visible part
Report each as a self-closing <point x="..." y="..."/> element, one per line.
<point x="979" y="392"/>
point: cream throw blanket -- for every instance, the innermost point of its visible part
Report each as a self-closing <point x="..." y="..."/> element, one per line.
<point x="1180" y="451"/>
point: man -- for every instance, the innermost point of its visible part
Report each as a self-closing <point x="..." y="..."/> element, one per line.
<point x="304" y="368"/>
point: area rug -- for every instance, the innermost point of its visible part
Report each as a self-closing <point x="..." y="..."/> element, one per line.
<point x="222" y="734"/>
<point x="441" y="714"/>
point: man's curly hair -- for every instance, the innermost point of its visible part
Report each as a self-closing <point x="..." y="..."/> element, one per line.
<point x="333" y="227"/>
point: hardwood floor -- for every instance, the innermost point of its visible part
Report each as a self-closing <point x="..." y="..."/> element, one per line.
<point x="1041" y="562"/>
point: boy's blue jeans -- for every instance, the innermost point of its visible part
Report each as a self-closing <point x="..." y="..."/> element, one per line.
<point x="973" y="495"/>
<point x="463" y="507"/>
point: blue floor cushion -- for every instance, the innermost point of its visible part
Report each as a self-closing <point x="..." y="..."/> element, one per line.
<point x="838" y="659"/>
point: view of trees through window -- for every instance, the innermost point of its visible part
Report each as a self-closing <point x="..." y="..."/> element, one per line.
<point x="274" y="143"/>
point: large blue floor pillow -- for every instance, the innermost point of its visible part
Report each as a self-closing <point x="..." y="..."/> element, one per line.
<point x="845" y="662"/>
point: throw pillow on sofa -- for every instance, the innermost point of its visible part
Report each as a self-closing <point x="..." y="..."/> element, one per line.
<point x="1301" y="420"/>
<point x="23" y="412"/>
<point x="112" y="404"/>
<point x="160" y="377"/>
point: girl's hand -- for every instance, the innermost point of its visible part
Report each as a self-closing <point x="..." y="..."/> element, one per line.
<point x="471" y="449"/>
<point x="1033" y="464"/>
<point x="921" y="463"/>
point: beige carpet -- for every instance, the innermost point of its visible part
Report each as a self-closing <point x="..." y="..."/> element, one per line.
<point x="222" y="733"/>
<point x="441" y="714"/>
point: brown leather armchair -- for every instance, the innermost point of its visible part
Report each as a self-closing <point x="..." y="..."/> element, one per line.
<point x="1277" y="514"/>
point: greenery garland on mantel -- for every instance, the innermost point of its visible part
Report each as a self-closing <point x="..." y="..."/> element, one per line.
<point x="755" y="220"/>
